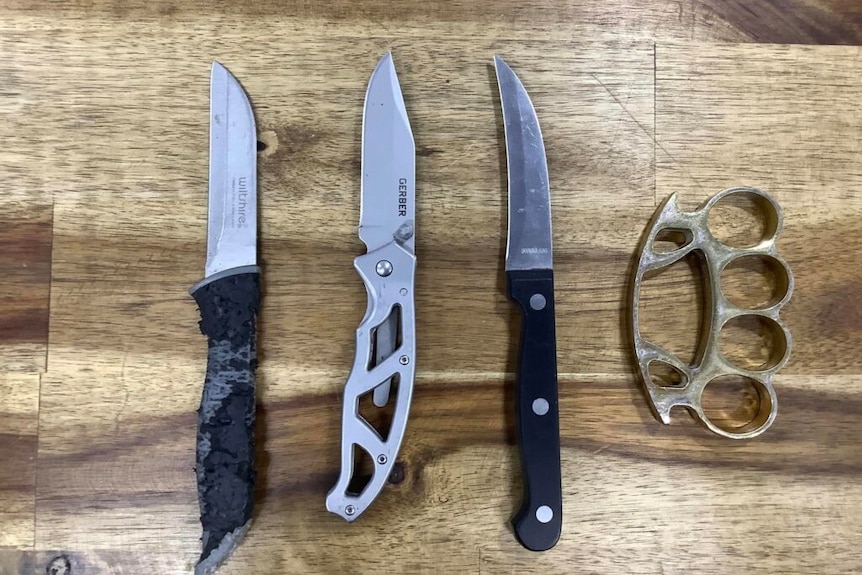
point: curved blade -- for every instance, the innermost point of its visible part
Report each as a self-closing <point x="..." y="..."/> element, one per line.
<point x="232" y="219"/>
<point x="529" y="243"/>
<point x="388" y="161"/>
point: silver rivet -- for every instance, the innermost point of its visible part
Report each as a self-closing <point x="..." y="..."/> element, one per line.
<point x="544" y="514"/>
<point x="384" y="268"/>
<point x="540" y="406"/>
<point x="382" y="459"/>
<point x="403" y="360"/>
<point x="537" y="300"/>
<point x="403" y="291"/>
<point x="349" y="510"/>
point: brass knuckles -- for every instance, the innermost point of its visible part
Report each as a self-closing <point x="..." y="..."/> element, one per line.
<point x="715" y="256"/>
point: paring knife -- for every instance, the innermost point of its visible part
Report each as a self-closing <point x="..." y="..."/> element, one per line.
<point x="229" y="301"/>
<point x="385" y="340"/>
<point x="530" y="275"/>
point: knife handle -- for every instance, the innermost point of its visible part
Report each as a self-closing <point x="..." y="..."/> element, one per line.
<point x="385" y="291"/>
<point x="538" y="522"/>
<point x="229" y="303"/>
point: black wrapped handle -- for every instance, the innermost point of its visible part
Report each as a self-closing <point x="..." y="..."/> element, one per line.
<point x="538" y="522"/>
<point x="229" y="303"/>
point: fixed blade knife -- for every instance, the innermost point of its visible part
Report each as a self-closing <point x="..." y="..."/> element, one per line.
<point x="530" y="277"/>
<point x="229" y="302"/>
<point x="385" y="340"/>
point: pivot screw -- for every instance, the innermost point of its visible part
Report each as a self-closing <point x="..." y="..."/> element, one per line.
<point x="403" y="360"/>
<point x="350" y="510"/>
<point x="382" y="459"/>
<point x="384" y="268"/>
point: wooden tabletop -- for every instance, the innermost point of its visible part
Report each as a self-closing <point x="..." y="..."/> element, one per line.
<point x="103" y="164"/>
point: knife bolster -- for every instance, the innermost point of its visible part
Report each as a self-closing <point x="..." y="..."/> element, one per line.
<point x="229" y="305"/>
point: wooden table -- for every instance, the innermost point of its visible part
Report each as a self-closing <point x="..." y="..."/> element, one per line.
<point x="103" y="164"/>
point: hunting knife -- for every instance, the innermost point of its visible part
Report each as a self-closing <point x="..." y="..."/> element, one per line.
<point x="530" y="278"/>
<point x="229" y="301"/>
<point x="385" y="340"/>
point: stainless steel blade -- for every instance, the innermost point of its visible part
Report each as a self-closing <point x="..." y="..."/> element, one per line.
<point x="388" y="163"/>
<point x="529" y="242"/>
<point x="232" y="220"/>
<point x="388" y="185"/>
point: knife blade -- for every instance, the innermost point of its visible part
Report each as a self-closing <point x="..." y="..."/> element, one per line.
<point x="530" y="277"/>
<point x="229" y="301"/>
<point x="385" y="338"/>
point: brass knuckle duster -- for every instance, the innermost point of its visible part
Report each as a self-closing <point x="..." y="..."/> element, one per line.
<point x="710" y="364"/>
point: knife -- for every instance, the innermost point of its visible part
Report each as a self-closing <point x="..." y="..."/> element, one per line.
<point x="229" y="301"/>
<point x="385" y="339"/>
<point x="530" y="278"/>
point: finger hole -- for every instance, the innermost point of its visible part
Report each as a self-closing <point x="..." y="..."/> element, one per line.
<point x="752" y="342"/>
<point x="682" y="415"/>
<point x="671" y="239"/>
<point x="363" y="471"/>
<point x="673" y="307"/>
<point x="755" y="281"/>
<point x="736" y="404"/>
<point x="743" y="219"/>
<point x="664" y="374"/>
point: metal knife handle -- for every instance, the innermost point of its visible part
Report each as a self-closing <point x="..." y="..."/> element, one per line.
<point x="229" y="303"/>
<point x="538" y="522"/>
<point x="388" y="274"/>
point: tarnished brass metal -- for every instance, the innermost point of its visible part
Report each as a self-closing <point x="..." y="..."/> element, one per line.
<point x="693" y="229"/>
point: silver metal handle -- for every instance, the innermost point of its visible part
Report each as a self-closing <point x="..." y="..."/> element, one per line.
<point x="388" y="274"/>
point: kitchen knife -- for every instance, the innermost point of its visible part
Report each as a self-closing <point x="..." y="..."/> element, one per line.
<point x="229" y="301"/>
<point x="530" y="277"/>
<point x="385" y="339"/>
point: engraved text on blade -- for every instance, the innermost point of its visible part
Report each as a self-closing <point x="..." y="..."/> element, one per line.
<point x="239" y="213"/>
<point x="402" y="197"/>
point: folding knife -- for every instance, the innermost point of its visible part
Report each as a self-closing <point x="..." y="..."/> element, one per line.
<point x="530" y="277"/>
<point x="385" y="343"/>
<point x="229" y="301"/>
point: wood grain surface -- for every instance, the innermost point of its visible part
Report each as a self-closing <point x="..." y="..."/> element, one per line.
<point x="103" y="124"/>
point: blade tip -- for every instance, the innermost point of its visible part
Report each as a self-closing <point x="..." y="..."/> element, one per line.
<point x="218" y="73"/>
<point x="386" y="69"/>
<point x="221" y="69"/>
<point x="386" y="61"/>
<point x="501" y="67"/>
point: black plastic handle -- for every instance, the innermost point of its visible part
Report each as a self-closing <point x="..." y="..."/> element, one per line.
<point x="538" y="522"/>
<point x="229" y="304"/>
